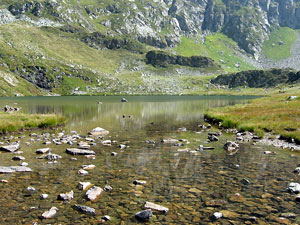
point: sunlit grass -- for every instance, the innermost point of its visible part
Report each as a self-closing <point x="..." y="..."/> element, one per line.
<point x="10" y="122"/>
<point x="273" y="114"/>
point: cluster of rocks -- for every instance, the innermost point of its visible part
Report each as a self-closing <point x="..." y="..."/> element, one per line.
<point x="10" y="109"/>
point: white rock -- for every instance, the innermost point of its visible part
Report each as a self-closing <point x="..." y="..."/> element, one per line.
<point x="218" y="215"/>
<point x="153" y="206"/>
<point x="84" y="185"/>
<point x="44" y="196"/>
<point x="98" y="131"/>
<point x="82" y="172"/>
<point x="88" y="167"/>
<point x="93" y="193"/>
<point x="49" y="214"/>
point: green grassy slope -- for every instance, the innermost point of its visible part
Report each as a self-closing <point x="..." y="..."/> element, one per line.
<point x="279" y="44"/>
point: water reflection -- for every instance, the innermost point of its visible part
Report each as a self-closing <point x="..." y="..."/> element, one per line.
<point x="85" y="112"/>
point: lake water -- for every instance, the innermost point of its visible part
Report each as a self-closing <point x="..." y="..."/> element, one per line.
<point x="189" y="184"/>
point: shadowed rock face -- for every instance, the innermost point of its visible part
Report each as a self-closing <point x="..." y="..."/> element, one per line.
<point x="162" y="59"/>
<point x="258" y="78"/>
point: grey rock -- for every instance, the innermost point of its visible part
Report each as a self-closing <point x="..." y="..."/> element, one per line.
<point x="12" y="169"/>
<point x="156" y="207"/>
<point x="93" y="193"/>
<point x="18" y="158"/>
<point x="213" y="138"/>
<point x="144" y="215"/>
<point x="76" y="151"/>
<point x="10" y="148"/>
<point x="85" y="209"/>
<point x="43" y="150"/>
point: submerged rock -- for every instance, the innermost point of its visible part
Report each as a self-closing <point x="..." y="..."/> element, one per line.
<point x="213" y="138"/>
<point x="18" y="158"/>
<point x="76" y="151"/>
<point x="156" y="207"/>
<point x="85" y="209"/>
<point x="144" y="215"/>
<point x="66" y="196"/>
<point x="124" y="100"/>
<point x="231" y="147"/>
<point x="49" y="214"/>
<point x="12" y="169"/>
<point x="93" y="193"/>
<point x="139" y="182"/>
<point x="98" y="131"/>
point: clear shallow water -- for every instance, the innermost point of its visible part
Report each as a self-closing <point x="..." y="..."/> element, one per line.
<point x="182" y="181"/>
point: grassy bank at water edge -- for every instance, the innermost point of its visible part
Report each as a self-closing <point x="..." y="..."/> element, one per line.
<point x="10" y="122"/>
<point x="276" y="114"/>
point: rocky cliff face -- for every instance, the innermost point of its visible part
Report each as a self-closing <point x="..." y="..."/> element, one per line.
<point x="161" y="23"/>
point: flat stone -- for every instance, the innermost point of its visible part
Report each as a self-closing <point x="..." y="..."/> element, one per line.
<point x="66" y="196"/>
<point x="229" y="214"/>
<point x="144" y="215"/>
<point x="52" y="157"/>
<point x="98" y="131"/>
<point x="12" y="169"/>
<point x="10" y="148"/>
<point x="18" y="158"/>
<point x="288" y="215"/>
<point x="88" y="167"/>
<point x="76" y="151"/>
<point x="236" y="198"/>
<point x="49" y="214"/>
<point x="82" y="172"/>
<point x="139" y="182"/>
<point x="84" y="185"/>
<point x="85" y="209"/>
<point x="43" y="150"/>
<point x="156" y="207"/>
<point x="194" y="190"/>
<point x="215" y="203"/>
<point x="93" y="193"/>
<point x="170" y="141"/>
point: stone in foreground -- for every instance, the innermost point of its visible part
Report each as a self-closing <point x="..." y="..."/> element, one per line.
<point x="98" y="131"/>
<point x="144" y="215"/>
<point x="12" y="169"/>
<point x="49" y="214"/>
<point x="294" y="188"/>
<point x="84" y="185"/>
<point x="66" y="196"/>
<point x="156" y="207"/>
<point x="76" y="151"/>
<point x="85" y="209"/>
<point x="10" y="148"/>
<point x="93" y="193"/>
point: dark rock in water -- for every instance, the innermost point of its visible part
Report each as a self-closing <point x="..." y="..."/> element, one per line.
<point x="76" y="151"/>
<point x="245" y="181"/>
<point x="10" y="148"/>
<point x="124" y="100"/>
<point x="85" y="209"/>
<point x="144" y="215"/>
<point x="66" y="196"/>
<point x="213" y="138"/>
<point x="18" y="158"/>
<point x="12" y="169"/>
<point x="294" y="188"/>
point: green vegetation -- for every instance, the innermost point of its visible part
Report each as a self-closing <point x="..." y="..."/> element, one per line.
<point x="274" y="114"/>
<point x="16" y="121"/>
<point x="218" y="47"/>
<point x="279" y="45"/>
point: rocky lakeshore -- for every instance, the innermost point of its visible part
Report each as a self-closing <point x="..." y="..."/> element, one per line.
<point x="155" y="170"/>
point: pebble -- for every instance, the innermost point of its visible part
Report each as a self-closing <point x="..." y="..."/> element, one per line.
<point x="144" y="215"/>
<point x="66" y="196"/>
<point x="84" y="185"/>
<point x="113" y="154"/>
<point x="18" y="158"/>
<point x="218" y="215"/>
<point x="82" y="172"/>
<point x="44" y="196"/>
<point x="49" y="214"/>
<point x="107" y="188"/>
<point x="156" y="207"/>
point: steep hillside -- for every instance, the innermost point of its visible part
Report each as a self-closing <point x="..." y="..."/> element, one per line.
<point x="100" y="47"/>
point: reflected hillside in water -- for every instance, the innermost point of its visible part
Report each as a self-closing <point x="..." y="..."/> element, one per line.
<point x="85" y="112"/>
